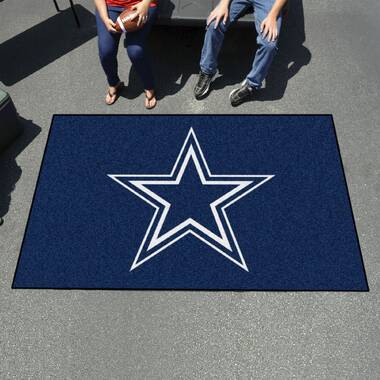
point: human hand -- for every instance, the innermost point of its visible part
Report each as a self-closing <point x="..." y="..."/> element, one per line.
<point x="220" y="12"/>
<point x="268" y="28"/>
<point x="141" y="12"/>
<point x="110" y="25"/>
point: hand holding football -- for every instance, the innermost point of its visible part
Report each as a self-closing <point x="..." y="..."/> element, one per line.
<point x="127" y="21"/>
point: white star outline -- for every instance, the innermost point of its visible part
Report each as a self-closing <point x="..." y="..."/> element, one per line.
<point x="153" y="243"/>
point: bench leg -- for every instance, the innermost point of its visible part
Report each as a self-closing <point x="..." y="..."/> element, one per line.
<point x="74" y="13"/>
<point x="56" y="5"/>
<point x="72" y="9"/>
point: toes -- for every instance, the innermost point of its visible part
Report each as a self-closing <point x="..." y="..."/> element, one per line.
<point x="150" y="103"/>
<point x="110" y="98"/>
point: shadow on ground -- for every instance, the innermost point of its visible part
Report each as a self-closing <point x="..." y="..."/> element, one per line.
<point x="175" y="56"/>
<point x="10" y="172"/>
<point x="176" y="51"/>
<point x="45" y="42"/>
<point x="292" y="54"/>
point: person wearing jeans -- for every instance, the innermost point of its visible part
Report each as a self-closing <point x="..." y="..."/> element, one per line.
<point x="268" y="18"/>
<point x="107" y="11"/>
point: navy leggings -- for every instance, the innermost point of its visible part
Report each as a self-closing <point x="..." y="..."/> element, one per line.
<point x="135" y="43"/>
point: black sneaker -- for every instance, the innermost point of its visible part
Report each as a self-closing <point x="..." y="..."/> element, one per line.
<point x="203" y="85"/>
<point x="241" y="94"/>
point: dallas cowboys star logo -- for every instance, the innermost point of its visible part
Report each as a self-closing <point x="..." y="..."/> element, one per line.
<point x="199" y="205"/>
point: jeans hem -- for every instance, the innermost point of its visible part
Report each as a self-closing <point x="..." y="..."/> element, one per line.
<point x="113" y="83"/>
<point x="208" y="72"/>
<point x="253" y="85"/>
<point x="150" y="87"/>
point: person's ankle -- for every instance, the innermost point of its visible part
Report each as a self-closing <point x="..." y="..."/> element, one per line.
<point x="201" y="72"/>
<point x="116" y="85"/>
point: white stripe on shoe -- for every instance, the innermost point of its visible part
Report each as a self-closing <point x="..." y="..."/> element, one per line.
<point x="237" y="89"/>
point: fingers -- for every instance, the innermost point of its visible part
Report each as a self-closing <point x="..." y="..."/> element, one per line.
<point x="138" y="14"/>
<point x="142" y="19"/>
<point x="269" y="30"/>
<point x="225" y="18"/>
<point x="135" y="15"/>
<point x="111" y="26"/>
<point x="273" y="34"/>
<point x="217" y="18"/>
<point x="265" y="30"/>
<point x="217" y="21"/>
<point x="210" y="18"/>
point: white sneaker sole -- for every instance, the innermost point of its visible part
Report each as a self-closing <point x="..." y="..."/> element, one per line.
<point x="205" y="91"/>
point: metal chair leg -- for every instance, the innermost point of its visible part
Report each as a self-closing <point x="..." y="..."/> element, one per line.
<point x="56" y="6"/>
<point x="74" y="13"/>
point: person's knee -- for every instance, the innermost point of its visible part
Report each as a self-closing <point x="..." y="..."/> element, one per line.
<point x="221" y="28"/>
<point x="135" y="52"/>
<point x="106" y="54"/>
<point x="269" y="46"/>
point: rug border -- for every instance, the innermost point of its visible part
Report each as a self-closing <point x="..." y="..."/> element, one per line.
<point x="200" y="289"/>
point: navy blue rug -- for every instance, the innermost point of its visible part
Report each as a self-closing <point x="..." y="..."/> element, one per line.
<point x="191" y="202"/>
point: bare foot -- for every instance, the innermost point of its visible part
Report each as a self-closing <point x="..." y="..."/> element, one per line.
<point x="150" y="99"/>
<point x="112" y="93"/>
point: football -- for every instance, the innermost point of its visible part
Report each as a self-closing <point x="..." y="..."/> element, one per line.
<point x="127" y="21"/>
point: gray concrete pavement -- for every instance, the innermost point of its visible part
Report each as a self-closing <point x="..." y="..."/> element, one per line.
<point x="328" y="63"/>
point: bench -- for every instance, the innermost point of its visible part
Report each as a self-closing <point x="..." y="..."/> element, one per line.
<point x="191" y="13"/>
<point x="179" y="12"/>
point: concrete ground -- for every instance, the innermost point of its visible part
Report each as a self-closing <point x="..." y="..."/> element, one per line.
<point x="328" y="63"/>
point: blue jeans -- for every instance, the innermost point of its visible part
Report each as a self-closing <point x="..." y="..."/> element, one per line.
<point x="265" y="53"/>
<point x="135" y="42"/>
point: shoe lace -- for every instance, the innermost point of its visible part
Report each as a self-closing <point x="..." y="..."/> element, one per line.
<point x="203" y="79"/>
<point x="245" y="91"/>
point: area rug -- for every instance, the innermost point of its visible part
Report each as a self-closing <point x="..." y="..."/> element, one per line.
<point x="192" y="202"/>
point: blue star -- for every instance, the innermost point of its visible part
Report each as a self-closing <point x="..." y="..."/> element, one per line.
<point x="190" y="200"/>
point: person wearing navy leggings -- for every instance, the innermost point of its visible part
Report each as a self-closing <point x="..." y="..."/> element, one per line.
<point x="107" y="11"/>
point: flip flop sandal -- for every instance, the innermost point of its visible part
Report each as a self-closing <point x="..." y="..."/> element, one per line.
<point x="115" y="94"/>
<point x="149" y="98"/>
